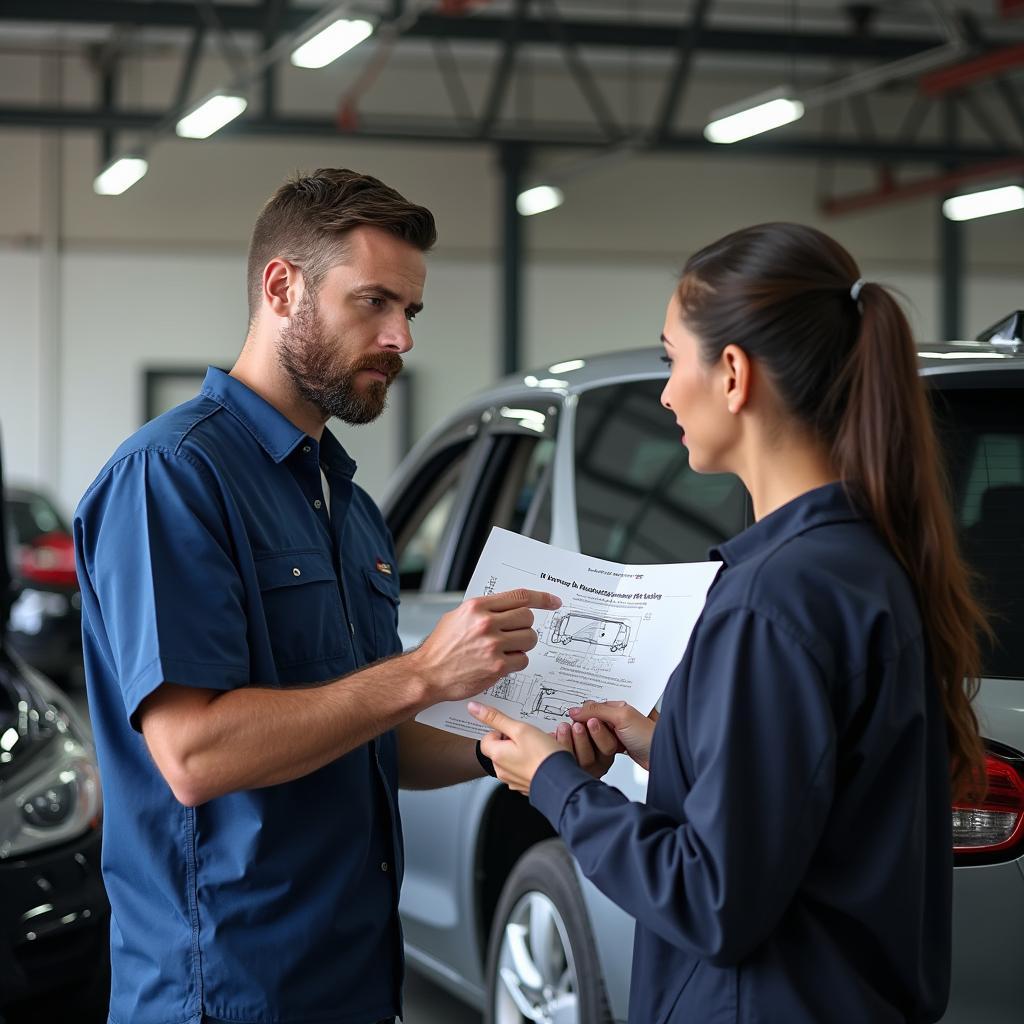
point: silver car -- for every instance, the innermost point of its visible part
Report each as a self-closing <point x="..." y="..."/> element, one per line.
<point x="581" y="455"/>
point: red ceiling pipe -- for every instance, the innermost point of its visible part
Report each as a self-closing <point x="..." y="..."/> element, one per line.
<point x="891" y="193"/>
<point x="980" y="69"/>
<point x="457" y="7"/>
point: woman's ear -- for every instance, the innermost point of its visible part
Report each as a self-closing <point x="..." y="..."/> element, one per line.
<point x="736" y="377"/>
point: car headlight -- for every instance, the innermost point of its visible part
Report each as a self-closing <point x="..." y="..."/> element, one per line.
<point x="58" y="802"/>
<point x="49" y="784"/>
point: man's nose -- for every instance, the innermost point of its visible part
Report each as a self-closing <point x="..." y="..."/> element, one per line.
<point x="397" y="337"/>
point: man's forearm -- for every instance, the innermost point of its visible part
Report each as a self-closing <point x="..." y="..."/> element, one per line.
<point x="430" y="758"/>
<point x="207" y="744"/>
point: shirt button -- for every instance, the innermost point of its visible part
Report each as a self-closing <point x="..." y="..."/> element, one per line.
<point x="296" y="572"/>
<point x="383" y="865"/>
<point x="306" y="448"/>
<point x="317" y="503"/>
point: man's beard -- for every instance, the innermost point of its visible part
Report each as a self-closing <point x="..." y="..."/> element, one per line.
<point x="309" y="358"/>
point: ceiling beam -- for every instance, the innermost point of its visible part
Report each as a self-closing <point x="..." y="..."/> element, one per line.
<point x="555" y="135"/>
<point x="488" y="28"/>
<point x="688" y="40"/>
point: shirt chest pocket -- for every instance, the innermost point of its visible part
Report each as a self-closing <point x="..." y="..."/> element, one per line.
<point x="382" y="594"/>
<point x="302" y="609"/>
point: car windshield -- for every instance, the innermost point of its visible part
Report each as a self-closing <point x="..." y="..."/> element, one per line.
<point x="982" y="432"/>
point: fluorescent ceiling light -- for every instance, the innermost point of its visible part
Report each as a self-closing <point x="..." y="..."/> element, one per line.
<point x="210" y="116"/>
<point x="753" y="120"/>
<point x="328" y="45"/>
<point x="984" y="204"/>
<point x="963" y="355"/>
<point x="539" y="200"/>
<point x="119" y="176"/>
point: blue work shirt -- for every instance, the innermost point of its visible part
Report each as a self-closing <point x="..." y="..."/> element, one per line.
<point x="792" y="863"/>
<point x="207" y="558"/>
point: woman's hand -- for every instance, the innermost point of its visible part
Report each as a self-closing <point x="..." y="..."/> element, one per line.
<point x="594" y="745"/>
<point x="632" y="730"/>
<point x="516" y="748"/>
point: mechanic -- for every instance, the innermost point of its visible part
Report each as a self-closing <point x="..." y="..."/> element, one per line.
<point x="251" y="706"/>
<point x="792" y="861"/>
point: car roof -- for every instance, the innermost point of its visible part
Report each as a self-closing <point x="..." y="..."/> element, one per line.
<point x="22" y="494"/>
<point x="576" y="375"/>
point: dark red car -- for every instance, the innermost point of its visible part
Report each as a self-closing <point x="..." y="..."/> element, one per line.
<point x="45" y="625"/>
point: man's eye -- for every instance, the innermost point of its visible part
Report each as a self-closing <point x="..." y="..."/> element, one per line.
<point x="375" y="300"/>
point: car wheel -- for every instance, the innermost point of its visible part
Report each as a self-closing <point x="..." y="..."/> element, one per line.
<point x="542" y="965"/>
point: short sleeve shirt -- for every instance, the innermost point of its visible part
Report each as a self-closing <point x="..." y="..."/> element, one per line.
<point x="207" y="558"/>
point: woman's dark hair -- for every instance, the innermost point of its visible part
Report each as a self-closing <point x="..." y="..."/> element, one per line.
<point x="847" y="370"/>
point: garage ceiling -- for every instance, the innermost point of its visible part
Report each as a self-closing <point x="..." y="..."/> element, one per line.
<point x="898" y="82"/>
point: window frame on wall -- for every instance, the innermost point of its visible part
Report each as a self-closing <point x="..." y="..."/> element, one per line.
<point x="157" y="378"/>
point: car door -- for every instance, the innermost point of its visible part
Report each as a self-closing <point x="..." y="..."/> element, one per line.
<point x="493" y="468"/>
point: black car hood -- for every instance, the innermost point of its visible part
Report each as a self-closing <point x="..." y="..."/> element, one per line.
<point x="28" y="724"/>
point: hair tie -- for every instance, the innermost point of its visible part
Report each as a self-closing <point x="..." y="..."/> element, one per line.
<point x="855" y="289"/>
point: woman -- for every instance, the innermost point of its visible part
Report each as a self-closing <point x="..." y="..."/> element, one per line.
<point x="792" y="862"/>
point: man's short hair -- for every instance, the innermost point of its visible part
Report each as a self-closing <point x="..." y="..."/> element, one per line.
<point x="308" y="218"/>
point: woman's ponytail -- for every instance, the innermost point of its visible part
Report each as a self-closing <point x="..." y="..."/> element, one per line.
<point x="886" y="449"/>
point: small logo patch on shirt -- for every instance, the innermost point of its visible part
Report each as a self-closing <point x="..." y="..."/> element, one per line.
<point x="384" y="567"/>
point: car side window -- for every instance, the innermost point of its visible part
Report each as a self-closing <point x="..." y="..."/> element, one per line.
<point x="637" y="500"/>
<point x="423" y="511"/>
<point x="513" y="492"/>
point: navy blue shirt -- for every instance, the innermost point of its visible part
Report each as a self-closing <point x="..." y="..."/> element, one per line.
<point x="207" y="558"/>
<point x="792" y="862"/>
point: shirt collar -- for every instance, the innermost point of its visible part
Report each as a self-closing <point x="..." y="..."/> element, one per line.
<point x="334" y="458"/>
<point x="276" y="434"/>
<point x="827" y="504"/>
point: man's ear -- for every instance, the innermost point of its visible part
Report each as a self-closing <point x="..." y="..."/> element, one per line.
<point x="736" y="377"/>
<point x="283" y="286"/>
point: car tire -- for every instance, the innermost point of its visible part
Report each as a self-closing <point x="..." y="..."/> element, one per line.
<point x="542" y="961"/>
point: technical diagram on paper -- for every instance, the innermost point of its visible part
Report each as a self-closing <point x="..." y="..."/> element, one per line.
<point x="619" y="634"/>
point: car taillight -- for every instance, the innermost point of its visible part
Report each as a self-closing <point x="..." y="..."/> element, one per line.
<point x="49" y="559"/>
<point x="996" y="823"/>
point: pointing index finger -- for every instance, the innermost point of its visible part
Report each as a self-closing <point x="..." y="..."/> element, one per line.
<point x="521" y="598"/>
<point x="493" y="718"/>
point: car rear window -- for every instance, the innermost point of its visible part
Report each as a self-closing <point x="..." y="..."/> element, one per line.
<point x="637" y="500"/>
<point x="31" y="517"/>
<point x="982" y="432"/>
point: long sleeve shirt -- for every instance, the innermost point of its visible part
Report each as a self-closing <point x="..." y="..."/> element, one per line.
<point x="793" y="859"/>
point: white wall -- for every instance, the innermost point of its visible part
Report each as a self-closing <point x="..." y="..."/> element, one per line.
<point x="20" y="386"/>
<point x="123" y="312"/>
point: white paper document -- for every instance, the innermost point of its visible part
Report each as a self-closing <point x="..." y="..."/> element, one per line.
<point x="619" y="634"/>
